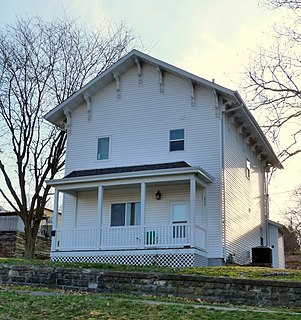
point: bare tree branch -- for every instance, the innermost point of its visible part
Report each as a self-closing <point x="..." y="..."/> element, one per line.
<point x="272" y="83"/>
<point x="41" y="65"/>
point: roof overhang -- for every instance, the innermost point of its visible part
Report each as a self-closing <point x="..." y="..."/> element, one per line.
<point x="281" y="227"/>
<point x="246" y="116"/>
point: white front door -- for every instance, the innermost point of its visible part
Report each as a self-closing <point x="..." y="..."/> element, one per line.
<point x="179" y="212"/>
<point x="179" y="216"/>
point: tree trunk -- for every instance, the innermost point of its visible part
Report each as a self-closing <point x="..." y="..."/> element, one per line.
<point x="30" y="244"/>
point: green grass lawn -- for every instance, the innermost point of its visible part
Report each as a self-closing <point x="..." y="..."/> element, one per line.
<point x="227" y="271"/>
<point x="15" y="305"/>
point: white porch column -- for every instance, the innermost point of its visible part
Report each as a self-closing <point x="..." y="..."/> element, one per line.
<point x="99" y="215"/>
<point x="192" y="210"/>
<point x="143" y="201"/>
<point x="55" y="220"/>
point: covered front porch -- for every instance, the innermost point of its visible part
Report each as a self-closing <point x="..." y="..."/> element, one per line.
<point x="164" y="212"/>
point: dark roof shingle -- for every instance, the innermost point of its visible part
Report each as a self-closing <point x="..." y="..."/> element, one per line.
<point x="146" y="167"/>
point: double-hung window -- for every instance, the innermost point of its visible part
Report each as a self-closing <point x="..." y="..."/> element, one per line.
<point x="103" y="148"/>
<point x="248" y="169"/>
<point x="125" y="214"/>
<point x="176" y="140"/>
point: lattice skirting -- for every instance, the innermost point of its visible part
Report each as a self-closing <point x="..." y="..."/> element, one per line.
<point x="171" y="260"/>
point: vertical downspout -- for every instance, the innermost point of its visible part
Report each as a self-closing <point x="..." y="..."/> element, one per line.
<point x="220" y="114"/>
<point x="266" y="207"/>
<point x="223" y="187"/>
<point x="223" y="117"/>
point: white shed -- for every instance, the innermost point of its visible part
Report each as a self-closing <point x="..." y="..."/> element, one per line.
<point x="276" y="242"/>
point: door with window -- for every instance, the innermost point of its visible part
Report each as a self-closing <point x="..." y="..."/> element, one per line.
<point x="179" y="216"/>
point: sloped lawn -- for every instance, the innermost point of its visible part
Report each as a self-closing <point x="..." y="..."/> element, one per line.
<point x="24" y="306"/>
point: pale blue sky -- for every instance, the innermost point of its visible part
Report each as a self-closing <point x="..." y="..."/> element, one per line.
<point x="210" y="38"/>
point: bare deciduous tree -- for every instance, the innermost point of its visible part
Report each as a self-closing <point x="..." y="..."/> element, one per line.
<point x="273" y="81"/>
<point x="293" y="214"/>
<point x="292" y="4"/>
<point x="41" y="64"/>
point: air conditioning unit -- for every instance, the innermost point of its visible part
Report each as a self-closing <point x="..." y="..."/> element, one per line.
<point x="262" y="256"/>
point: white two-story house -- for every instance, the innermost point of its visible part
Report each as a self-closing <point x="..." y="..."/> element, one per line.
<point x="162" y="167"/>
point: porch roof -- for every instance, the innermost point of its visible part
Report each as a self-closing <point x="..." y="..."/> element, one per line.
<point x="147" y="170"/>
<point x="145" y="167"/>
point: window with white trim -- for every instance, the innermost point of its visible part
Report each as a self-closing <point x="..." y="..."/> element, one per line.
<point x="103" y="148"/>
<point x="248" y="169"/>
<point x="125" y="214"/>
<point x="176" y="140"/>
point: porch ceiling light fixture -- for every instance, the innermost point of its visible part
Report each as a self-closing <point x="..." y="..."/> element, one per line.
<point x="158" y="195"/>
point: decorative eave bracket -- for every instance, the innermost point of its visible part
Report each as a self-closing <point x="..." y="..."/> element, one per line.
<point x="248" y="137"/>
<point x="161" y="79"/>
<point x="242" y="129"/>
<point x="139" y="70"/>
<point x="216" y="104"/>
<point x="117" y="80"/>
<point x="62" y="126"/>
<point x="88" y="100"/>
<point x="67" y="113"/>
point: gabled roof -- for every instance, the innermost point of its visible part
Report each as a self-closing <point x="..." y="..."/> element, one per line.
<point x="120" y="67"/>
<point x="56" y="115"/>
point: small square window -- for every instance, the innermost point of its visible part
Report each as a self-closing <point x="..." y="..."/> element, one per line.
<point x="176" y="140"/>
<point x="103" y="148"/>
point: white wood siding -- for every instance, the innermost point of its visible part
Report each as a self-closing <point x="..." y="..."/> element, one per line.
<point x="69" y="211"/>
<point x="281" y="251"/>
<point x="277" y="245"/>
<point x="86" y="214"/>
<point x="139" y="123"/>
<point x="244" y="198"/>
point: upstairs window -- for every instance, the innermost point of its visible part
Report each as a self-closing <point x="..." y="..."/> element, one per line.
<point x="103" y="148"/>
<point x="125" y="214"/>
<point x="176" y="140"/>
<point x="248" y="169"/>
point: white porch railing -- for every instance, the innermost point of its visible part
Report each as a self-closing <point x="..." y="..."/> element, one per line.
<point x="112" y="238"/>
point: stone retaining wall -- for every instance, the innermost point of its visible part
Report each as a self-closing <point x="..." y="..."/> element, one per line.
<point x="212" y="289"/>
